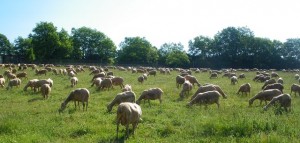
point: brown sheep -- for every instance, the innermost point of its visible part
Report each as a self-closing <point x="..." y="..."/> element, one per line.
<point x="244" y="88"/>
<point x="295" y="88"/>
<point x="284" y="101"/>
<point x="105" y="83"/>
<point x="204" y="88"/>
<point x="278" y="86"/>
<point x="186" y="88"/>
<point x="14" y="82"/>
<point x="22" y="75"/>
<point x="40" y="72"/>
<point x="118" y="81"/>
<point x="128" y="113"/>
<point x="97" y="82"/>
<point x="152" y="72"/>
<point x="31" y="84"/>
<point x="179" y="81"/>
<point x="39" y="83"/>
<point x="265" y="95"/>
<point x="102" y="75"/>
<point x="127" y="96"/>
<point x="74" y="81"/>
<point x="206" y="98"/>
<point x="267" y="82"/>
<point x="45" y="89"/>
<point x="151" y="94"/>
<point x="192" y="79"/>
<point x="127" y="87"/>
<point x="80" y="95"/>
<point x="141" y="79"/>
<point x="242" y="76"/>
<point x="11" y="76"/>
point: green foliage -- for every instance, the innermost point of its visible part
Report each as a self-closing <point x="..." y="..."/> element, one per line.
<point x="5" y="46"/>
<point x="173" y="55"/>
<point x="24" y="49"/>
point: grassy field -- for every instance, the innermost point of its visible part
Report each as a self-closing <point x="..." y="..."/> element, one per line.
<point x="26" y="117"/>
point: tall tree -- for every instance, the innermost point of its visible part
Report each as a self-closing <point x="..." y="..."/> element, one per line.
<point x="200" y="49"/>
<point x="64" y="49"/>
<point x="5" y="45"/>
<point x="172" y="54"/>
<point x="24" y="49"/>
<point x="137" y="50"/>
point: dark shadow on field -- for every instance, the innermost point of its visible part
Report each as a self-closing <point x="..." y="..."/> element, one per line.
<point x="36" y="99"/>
<point x="113" y="140"/>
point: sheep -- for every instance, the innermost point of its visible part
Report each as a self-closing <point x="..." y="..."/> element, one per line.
<point x="141" y="79"/>
<point x="233" y="80"/>
<point x="152" y="72"/>
<point x="186" y="88"/>
<point x="118" y="81"/>
<point x="30" y="83"/>
<point x="110" y="73"/>
<point x="39" y="83"/>
<point x="74" y="81"/>
<point x="278" y="86"/>
<point x="97" y="81"/>
<point x="145" y="75"/>
<point x="295" y="88"/>
<point x="265" y="95"/>
<point x="245" y="88"/>
<point x="127" y="96"/>
<point x="40" y="72"/>
<point x="206" y="98"/>
<point x="242" y="76"/>
<point x="151" y="94"/>
<point x="213" y="75"/>
<point x="22" y="75"/>
<point x="280" y="80"/>
<point x="274" y="74"/>
<point x="127" y="87"/>
<point x="267" y="82"/>
<point x="128" y="113"/>
<point x="179" y="81"/>
<point x="2" y="82"/>
<point x="79" y="95"/>
<point x="11" y="76"/>
<point x="284" y="101"/>
<point x="14" y="82"/>
<point x="94" y="72"/>
<point x="45" y="89"/>
<point x="102" y="75"/>
<point x="192" y="79"/>
<point x="105" y="83"/>
<point x="209" y="87"/>
<point x="296" y="76"/>
<point x="218" y="88"/>
<point x="71" y="74"/>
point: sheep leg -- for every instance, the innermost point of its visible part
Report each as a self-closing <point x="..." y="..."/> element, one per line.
<point x="127" y="130"/>
<point x="83" y="106"/>
<point x="134" y="125"/>
<point x="118" y="129"/>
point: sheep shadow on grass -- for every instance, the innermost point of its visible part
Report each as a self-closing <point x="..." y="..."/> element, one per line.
<point x="113" y="140"/>
<point x="36" y="99"/>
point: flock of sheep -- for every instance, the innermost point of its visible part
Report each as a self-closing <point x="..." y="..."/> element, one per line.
<point x="128" y="110"/>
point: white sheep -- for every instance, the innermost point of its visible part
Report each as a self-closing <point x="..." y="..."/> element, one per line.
<point x="280" y="80"/>
<point x="2" y="82"/>
<point x="128" y="113"/>
<point x="127" y="87"/>
<point x="206" y="98"/>
<point x="14" y="82"/>
<point x="284" y="101"/>
<point x="118" y="81"/>
<point x="105" y="83"/>
<point x="97" y="82"/>
<point x="265" y="95"/>
<point x="39" y="83"/>
<point x="233" y="80"/>
<point x="127" y="96"/>
<point x="74" y="81"/>
<point x="31" y="84"/>
<point x="186" y="88"/>
<point x="45" y="89"/>
<point x="151" y="94"/>
<point x="80" y="95"/>
<point x="296" y="76"/>
<point x="245" y="88"/>
<point x="192" y="79"/>
<point x="204" y="88"/>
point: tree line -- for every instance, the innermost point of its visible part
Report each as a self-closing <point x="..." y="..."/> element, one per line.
<point x="234" y="47"/>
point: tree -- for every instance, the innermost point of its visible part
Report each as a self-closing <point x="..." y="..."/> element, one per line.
<point x="65" y="48"/>
<point x="24" y="49"/>
<point x="172" y="54"/>
<point x="45" y="40"/>
<point x="200" y="49"/>
<point x="137" y="50"/>
<point x="5" y="45"/>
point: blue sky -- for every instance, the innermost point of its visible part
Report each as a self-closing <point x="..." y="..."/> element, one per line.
<point x="159" y="21"/>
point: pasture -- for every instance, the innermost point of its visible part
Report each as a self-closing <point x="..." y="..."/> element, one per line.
<point x="26" y="117"/>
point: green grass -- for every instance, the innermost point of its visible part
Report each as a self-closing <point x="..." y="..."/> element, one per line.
<point x="27" y="117"/>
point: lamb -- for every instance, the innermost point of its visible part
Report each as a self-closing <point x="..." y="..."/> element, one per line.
<point x="213" y="75"/>
<point x="280" y="80"/>
<point x="179" y="80"/>
<point x="141" y="79"/>
<point x="40" y="72"/>
<point x="80" y="95"/>
<point x="127" y="96"/>
<point x="151" y="94"/>
<point x="30" y="83"/>
<point x="271" y="81"/>
<point x="233" y="80"/>
<point x="22" y="75"/>
<point x="265" y="95"/>
<point x="295" y="88"/>
<point x="45" y="89"/>
<point x="2" y="81"/>
<point x="278" y="86"/>
<point x="186" y="88"/>
<point x="97" y="81"/>
<point x="284" y="101"/>
<point x="74" y="81"/>
<point x="192" y="79"/>
<point x="128" y="113"/>
<point x="118" y="81"/>
<point x="206" y="98"/>
<point x="105" y="83"/>
<point x="127" y="87"/>
<point x="245" y="88"/>
<point x="14" y="82"/>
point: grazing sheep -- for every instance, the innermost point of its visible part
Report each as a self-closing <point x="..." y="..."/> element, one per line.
<point x="267" y="82"/>
<point x="244" y="88"/>
<point x="280" y="80"/>
<point x="118" y="81"/>
<point x="274" y="74"/>
<point x="40" y="72"/>
<point x="278" y="86"/>
<point x="213" y="75"/>
<point x="295" y="88"/>
<point x="79" y="95"/>
<point x="265" y="95"/>
<point x="151" y="94"/>
<point x="192" y="79"/>
<point x="141" y="79"/>
<point x="94" y="72"/>
<point x="110" y="73"/>
<point x="45" y="89"/>
<point x="11" y="76"/>
<point x="31" y="84"/>
<point x="233" y="80"/>
<point x="22" y="75"/>
<point x="145" y="75"/>
<point x="186" y="88"/>
<point x="14" y="82"/>
<point x="218" y="88"/>
<point x="96" y="81"/>
<point x="127" y="96"/>
<point x="105" y="83"/>
<point x="242" y="76"/>
<point x="127" y="87"/>
<point x="284" y="101"/>
<point x="206" y="98"/>
<point x="152" y="72"/>
<point x="39" y="83"/>
<point x="74" y="81"/>
<point x="71" y="74"/>
<point x="203" y="89"/>
<point x="179" y="80"/>
<point x="2" y="82"/>
<point x="102" y="75"/>
<point x="128" y="113"/>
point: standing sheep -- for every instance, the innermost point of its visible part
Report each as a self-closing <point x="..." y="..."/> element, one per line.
<point x="80" y="95"/>
<point x="105" y="83"/>
<point x="30" y="83"/>
<point x="22" y="75"/>
<point x="280" y="80"/>
<point x="213" y="75"/>
<point x="39" y="83"/>
<point x="141" y="79"/>
<point x="284" y="101"/>
<point x="118" y="81"/>
<point x="204" y="88"/>
<point x="128" y="113"/>
<point x="245" y="88"/>
<point x="151" y="94"/>
<point x="278" y="86"/>
<point x="296" y="76"/>
<point x="127" y="96"/>
<point x="74" y="81"/>
<point x="2" y="82"/>
<point x="14" y="82"/>
<point x="206" y="98"/>
<point x="267" y="82"/>
<point x="265" y="95"/>
<point x="179" y="81"/>
<point x="233" y="80"/>
<point x="192" y="79"/>
<point x="186" y="88"/>
<point x="295" y="88"/>
<point x="127" y="87"/>
<point x="97" y="82"/>
<point x="45" y="89"/>
<point x="152" y="72"/>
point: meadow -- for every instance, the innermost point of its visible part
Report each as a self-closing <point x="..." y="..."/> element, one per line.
<point x="26" y="117"/>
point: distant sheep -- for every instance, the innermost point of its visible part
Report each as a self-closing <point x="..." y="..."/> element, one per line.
<point x="39" y="83"/>
<point x="151" y="94"/>
<point x="22" y="75"/>
<point x="45" y="89"/>
<point x="40" y="72"/>
<point x="152" y="72"/>
<point x="284" y="100"/>
<point x="78" y="95"/>
<point x="128" y="113"/>
<point x="127" y="87"/>
<point x="30" y="83"/>
<point x="179" y="81"/>
<point x="245" y="88"/>
<point x="127" y="96"/>
<point x="141" y="79"/>
<point x="203" y="89"/>
<point x="274" y="74"/>
<point x="11" y="76"/>
<point x="74" y="81"/>
<point x="278" y="86"/>
<point x="233" y="80"/>
<point x="206" y="98"/>
<point x="192" y="79"/>
<point x="213" y="75"/>
<point x="97" y="82"/>
<point x="267" y="82"/>
<point x="14" y="82"/>
<point x="242" y="76"/>
<point x="296" y="76"/>
<point x="102" y="75"/>
<point x="265" y="95"/>
<point x="105" y="83"/>
<point x="186" y="88"/>
<point x="118" y="81"/>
